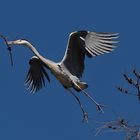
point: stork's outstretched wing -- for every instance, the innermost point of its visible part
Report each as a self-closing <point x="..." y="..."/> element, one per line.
<point x="36" y="75"/>
<point x="87" y="43"/>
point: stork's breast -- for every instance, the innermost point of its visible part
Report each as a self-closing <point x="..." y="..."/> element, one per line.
<point x="63" y="78"/>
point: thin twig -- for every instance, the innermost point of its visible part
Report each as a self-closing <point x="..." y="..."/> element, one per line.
<point x="9" y="48"/>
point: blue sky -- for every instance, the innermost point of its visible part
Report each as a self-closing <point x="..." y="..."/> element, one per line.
<point x="52" y="113"/>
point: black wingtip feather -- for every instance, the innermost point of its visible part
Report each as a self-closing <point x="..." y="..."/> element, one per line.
<point x="35" y="78"/>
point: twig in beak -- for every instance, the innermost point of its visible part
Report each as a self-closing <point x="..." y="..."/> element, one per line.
<point x="9" y="48"/>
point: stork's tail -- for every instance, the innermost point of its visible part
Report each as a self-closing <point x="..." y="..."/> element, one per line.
<point x="82" y="86"/>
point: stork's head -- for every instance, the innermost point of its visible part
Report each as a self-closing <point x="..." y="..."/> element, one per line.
<point x="18" y="42"/>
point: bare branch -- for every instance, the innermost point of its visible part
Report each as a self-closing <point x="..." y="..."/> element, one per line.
<point x="134" y="82"/>
<point x="131" y="131"/>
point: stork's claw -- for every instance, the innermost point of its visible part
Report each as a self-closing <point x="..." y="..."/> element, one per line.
<point x="100" y="107"/>
<point x="85" y="117"/>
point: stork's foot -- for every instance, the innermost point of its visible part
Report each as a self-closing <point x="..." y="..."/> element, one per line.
<point x="85" y="117"/>
<point x="100" y="107"/>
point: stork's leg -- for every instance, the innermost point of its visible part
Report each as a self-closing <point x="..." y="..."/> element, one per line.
<point x="85" y="115"/>
<point x="99" y="106"/>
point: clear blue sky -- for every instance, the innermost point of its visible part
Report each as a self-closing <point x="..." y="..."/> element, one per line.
<point x="52" y="113"/>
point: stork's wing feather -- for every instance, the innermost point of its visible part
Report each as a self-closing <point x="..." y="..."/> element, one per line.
<point x="87" y="43"/>
<point x="35" y="79"/>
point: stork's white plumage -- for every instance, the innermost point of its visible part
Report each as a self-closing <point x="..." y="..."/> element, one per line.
<point x="70" y="69"/>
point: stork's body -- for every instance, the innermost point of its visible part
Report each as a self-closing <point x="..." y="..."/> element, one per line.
<point x="66" y="78"/>
<point x="70" y="69"/>
<point x="61" y="75"/>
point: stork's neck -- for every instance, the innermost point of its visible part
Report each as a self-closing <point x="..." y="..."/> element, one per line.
<point x="48" y="62"/>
